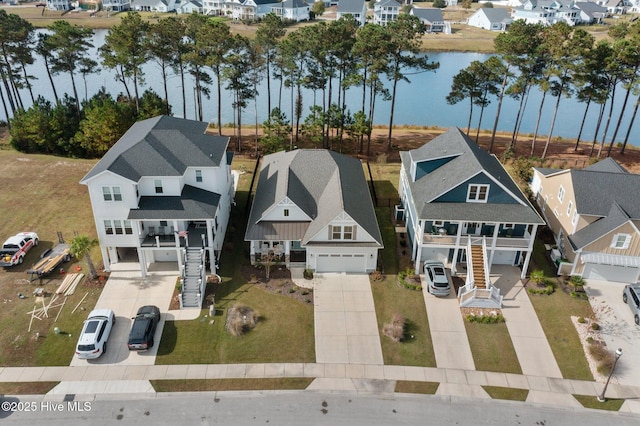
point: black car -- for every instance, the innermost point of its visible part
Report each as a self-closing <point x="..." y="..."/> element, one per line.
<point x="143" y="328"/>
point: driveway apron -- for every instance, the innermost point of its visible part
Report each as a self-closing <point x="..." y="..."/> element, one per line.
<point x="448" y="334"/>
<point x="529" y="341"/>
<point x="346" y="329"/>
<point x="125" y="291"/>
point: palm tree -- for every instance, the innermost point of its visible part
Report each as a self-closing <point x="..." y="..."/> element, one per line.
<point x="81" y="245"/>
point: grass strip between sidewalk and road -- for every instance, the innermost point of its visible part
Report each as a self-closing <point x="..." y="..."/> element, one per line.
<point x="203" y="385"/>
<point x="26" y="388"/>
<point x="589" y="401"/>
<point x="511" y="394"/>
<point x="411" y="386"/>
<point x="492" y="348"/>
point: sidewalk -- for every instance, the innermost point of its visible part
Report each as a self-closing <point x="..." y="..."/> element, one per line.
<point x="358" y="378"/>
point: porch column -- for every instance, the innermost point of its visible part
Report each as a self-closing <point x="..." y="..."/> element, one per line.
<point x="494" y="242"/>
<point x="419" y="238"/>
<point x="211" y="247"/>
<point x="142" y="259"/>
<point x="454" y="262"/>
<point x="416" y="230"/>
<point x="105" y="258"/>
<point x="527" y="258"/>
<point x="575" y="262"/>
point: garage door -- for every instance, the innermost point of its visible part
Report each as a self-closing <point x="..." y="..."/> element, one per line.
<point x="610" y="273"/>
<point x="340" y="263"/>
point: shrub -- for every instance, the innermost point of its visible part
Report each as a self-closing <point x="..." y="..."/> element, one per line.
<point x="603" y="358"/>
<point x="240" y="319"/>
<point x="590" y="340"/>
<point x="376" y="276"/>
<point x="537" y="276"/>
<point x="308" y="274"/>
<point x="547" y="290"/>
<point x="395" y="329"/>
<point x="292" y="289"/>
<point x="595" y="326"/>
<point x="406" y="274"/>
<point x="581" y="320"/>
<point x="577" y="281"/>
<point x="485" y="319"/>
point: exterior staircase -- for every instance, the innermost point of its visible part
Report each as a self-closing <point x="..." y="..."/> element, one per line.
<point x="478" y="291"/>
<point x="194" y="278"/>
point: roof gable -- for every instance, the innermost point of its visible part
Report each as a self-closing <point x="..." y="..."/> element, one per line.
<point x="351" y="6"/>
<point x="595" y="191"/>
<point x="615" y="218"/>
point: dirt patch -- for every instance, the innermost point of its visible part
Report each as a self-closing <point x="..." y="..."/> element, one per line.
<point x="588" y="337"/>
<point x="279" y="282"/>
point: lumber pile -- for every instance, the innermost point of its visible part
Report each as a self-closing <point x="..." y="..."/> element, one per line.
<point x="69" y="284"/>
<point x="43" y="312"/>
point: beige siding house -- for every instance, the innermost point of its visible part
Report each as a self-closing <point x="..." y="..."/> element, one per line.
<point x="594" y="214"/>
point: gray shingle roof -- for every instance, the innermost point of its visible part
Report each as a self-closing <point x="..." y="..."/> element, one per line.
<point x="596" y="191"/>
<point x="351" y="6"/>
<point x="614" y="219"/>
<point x="428" y="14"/>
<point x="293" y="4"/>
<point x="192" y="204"/>
<point x="496" y="14"/>
<point x="162" y="146"/>
<point x="606" y="165"/>
<point x="320" y="182"/>
<point x="468" y="160"/>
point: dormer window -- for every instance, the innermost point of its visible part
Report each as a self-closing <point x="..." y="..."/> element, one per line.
<point x="286" y="212"/>
<point x="477" y="193"/>
<point x="158" y="185"/>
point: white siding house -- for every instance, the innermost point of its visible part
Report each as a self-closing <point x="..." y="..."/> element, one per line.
<point x="493" y="19"/>
<point x="385" y="11"/>
<point x="355" y="8"/>
<point x="164" y="186"/>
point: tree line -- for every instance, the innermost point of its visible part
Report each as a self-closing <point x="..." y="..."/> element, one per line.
<point x="562" y="61"/>
<point x="327" y="58"/>
<point x="322" y="57"/>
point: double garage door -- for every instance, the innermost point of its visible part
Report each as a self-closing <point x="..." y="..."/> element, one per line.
<point x="623" y="274"/>
<point x="341" y="263"/>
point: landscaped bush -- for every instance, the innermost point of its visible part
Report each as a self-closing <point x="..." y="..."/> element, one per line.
<point x="395" y="329"/>
<point x="409" y="280"/>
<point x="308" y="274"/>
<point x="376" y="276"/>
<point x="537" y="277"/>
<point x="603" y="357"/>
<point x="547" y="290"/>
<point x="240" y="319"/>
<point x="581" y="320"/>
<point x="577" y="281"/>
<point x="595" y="326"/>
<point x="485" y="319"/>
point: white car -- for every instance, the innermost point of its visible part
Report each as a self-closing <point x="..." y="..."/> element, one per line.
<point x="95" y="333"/>
<point x="438" y="282"/>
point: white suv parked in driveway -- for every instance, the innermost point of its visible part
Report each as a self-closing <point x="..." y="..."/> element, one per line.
<point x="438" y="282"/>
<point x="95" y="332"/>
<point x="631" y="296"/>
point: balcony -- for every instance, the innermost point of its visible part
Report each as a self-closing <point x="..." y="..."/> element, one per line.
<point x="450" y="240"/>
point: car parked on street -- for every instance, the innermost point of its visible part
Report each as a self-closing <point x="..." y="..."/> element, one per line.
<point x="438" y="282"/>
<point x="95" y="333"/>
<point x="631" y="296"/>
<point x="144" y="328"/>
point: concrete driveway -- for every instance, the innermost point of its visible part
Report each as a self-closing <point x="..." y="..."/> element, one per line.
<point x="346" y="329"/>
<point x="125" y="292"/>
<point x="618" y="328"/>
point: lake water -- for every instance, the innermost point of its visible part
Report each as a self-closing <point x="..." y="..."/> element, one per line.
<point x="421" y="102"/>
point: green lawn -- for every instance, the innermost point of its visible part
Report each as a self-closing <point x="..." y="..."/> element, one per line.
<point x="417" y="348"/>
<point x="409" y="386"/>
<point x="388" y="256"/>
<point x="512" y="394"/>
<point x="589" y="401"/>
<point x="203" y="385"/>
<point x="26" y="388"/>
<point x="554" y="312"/>
<point x="492" y="347"/>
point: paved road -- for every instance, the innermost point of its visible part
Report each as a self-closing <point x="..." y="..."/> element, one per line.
<point x="308" y="408"/>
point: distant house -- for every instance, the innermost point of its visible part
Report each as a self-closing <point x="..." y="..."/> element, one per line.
<point x="213" y="7"/>
<point x="547" y="12"/>
<point x="385" y="11"/>
<point x="163" y="189"/>
<point x="493" y="19"/>
<point x="162" y="6"/>
<point x="355" y="8"/>
<point x="295" y="10"/>
<point x="594" y="214"/>
<point x="187" y="7"/>
<point x="431" y="18"/>
<point x="116" y="5"/>
<point x="591" y="13"/>
<point x="59" y="4"/>
<point x="312" y="209"/>
<point x="614" y="7"/>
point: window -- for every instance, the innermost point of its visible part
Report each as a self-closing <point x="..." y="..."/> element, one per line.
<point x="347" y="233"/>
<point x="127" y="227"/>
<point x="574" y="219"/>
<point x="569" y="207"/>
<point x="508" y="226"/>
<point x="477" y="193"/>
<point x="198" y="175"/>
<point x="118" y="225"/>
<point x="336" y="232"/>
<point x="555" y="211"/>
<point x="561" y="194"/>
<point x="621" y="241"/>
<point x="106" y="193"/>
<point x="158" y="184"/>
<point x="111" y="193"/>
<point x="286" y="212"/>
<point x="108" y="228"/>
<point x="163" y="223"/>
